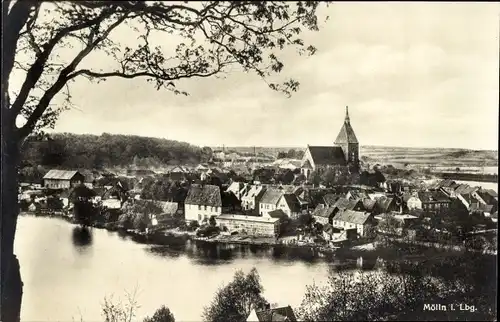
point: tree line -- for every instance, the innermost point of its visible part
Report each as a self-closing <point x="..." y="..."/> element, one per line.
<point x="86" y="151"/>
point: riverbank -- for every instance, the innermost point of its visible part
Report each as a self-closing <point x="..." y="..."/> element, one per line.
<point x="165" y="236"/>
<point x="342" y="251"/>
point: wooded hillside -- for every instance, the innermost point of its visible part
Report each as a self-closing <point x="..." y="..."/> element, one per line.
<point x="69" y="150"/>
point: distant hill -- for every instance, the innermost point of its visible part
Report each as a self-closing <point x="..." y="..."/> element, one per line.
<point x="68" y="150"/>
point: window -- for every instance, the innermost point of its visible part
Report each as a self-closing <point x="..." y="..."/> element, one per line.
<point x="205" y="208"/>
<point x="199" y="207"/>
<point x="199" y="217"/>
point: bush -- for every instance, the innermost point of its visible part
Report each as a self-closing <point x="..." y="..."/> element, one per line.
<point x="163" y="314"/>
<point x="193" y="225"/>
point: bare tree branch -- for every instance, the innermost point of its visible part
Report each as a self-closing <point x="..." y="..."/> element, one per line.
<point x="37" y="68"/>
<point x="64" y="76"/>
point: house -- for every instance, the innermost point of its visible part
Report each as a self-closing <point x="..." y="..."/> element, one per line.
<point x="330" y="199"/>
<point x="324" y="214"/>
<point x="230" y="203"/>
<point x="62" y="179"/>
<point x="485" y="210"/>
<point x="169" y="209"/>
<point x="250" y="200"/>
<point x="269" y="200"/>
<point x="411" y="201"/>
<point x="350" y="219"/>
<point x="369" y="204"/>
<point x="250" y="225"/>
<point x="201" y="168"/>
<point x="356" y="194"/>
<point x="114" y="197"/>
<point x="178" y="173"/>
<point x="290" y="205"/>
<point x="270" y="315"/>
<point x="202" y="202"/>
<point x="343" y="204"/>
<point x="238" y="189"/>
<point x="489" y="196"/>
<point x="434" y="201"/>
<point x="330" y="232"/>
<point x="387" y="204"/>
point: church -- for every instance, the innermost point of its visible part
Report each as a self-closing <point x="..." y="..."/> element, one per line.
<point x="343" y="154"/>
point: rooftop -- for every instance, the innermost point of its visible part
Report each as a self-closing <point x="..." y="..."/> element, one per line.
<point x="61" y="174"/>
<point x="208" y="195"/>
<point x="247" y="218"/>
<point x="271" y="196"/>
<point x="350" y="216"/>
<point x="327" y="155"/>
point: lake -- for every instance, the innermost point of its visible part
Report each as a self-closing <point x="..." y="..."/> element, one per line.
<point x="66" y="276"/>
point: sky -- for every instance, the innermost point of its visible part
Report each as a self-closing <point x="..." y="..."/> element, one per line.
<point x="413" y="75"/>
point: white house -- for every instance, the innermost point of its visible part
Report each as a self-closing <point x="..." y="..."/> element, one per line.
<point x="269" y="201"/>
<point x="202" y="202"/>
<point x="290" y="205"/>
<point x="250" y="200"/>
<point x="238" y="189"/>
<point x="349" y="219"/>
<point x="412" y="201"/>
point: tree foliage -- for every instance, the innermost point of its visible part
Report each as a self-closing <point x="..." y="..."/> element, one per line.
<point x="234" y="301"/>
<point x="85" y="151"/>
<point x="163" y="314"/>
<point x="216" y="36"/>
<point x="164" y="189"/>
<point x="400" y="290"/>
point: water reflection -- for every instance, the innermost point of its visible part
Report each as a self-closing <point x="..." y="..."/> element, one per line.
<point x="81" y="237"/>
<point x="205" y="253"/>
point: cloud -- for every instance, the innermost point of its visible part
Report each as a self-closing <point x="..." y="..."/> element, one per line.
<point x="413" y="74"/>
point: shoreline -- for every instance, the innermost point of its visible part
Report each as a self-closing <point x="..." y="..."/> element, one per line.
<point x="160" y="237"/>
<point x="366" y="257"/>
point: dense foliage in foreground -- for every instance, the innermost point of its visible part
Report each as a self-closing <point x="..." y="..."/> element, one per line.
<point x="394" y="291"/>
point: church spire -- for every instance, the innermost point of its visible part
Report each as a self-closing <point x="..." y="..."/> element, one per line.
<point x="347" y="115"/>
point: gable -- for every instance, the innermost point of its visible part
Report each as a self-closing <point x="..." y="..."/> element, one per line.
<point x="307" y="160"/>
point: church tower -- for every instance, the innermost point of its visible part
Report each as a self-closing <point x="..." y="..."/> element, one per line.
<point x="348" y="142"/>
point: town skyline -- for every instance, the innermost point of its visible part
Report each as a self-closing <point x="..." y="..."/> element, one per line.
<point x="408" y="78"/>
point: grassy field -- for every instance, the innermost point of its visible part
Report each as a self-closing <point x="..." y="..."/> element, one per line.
<point x="473" y="160"/>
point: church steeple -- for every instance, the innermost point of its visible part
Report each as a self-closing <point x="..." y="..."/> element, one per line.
<point x="346" y="139"/>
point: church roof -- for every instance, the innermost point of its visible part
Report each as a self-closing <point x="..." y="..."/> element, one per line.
<point x="346" y="134"/>
<point x="327" y="155"/>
